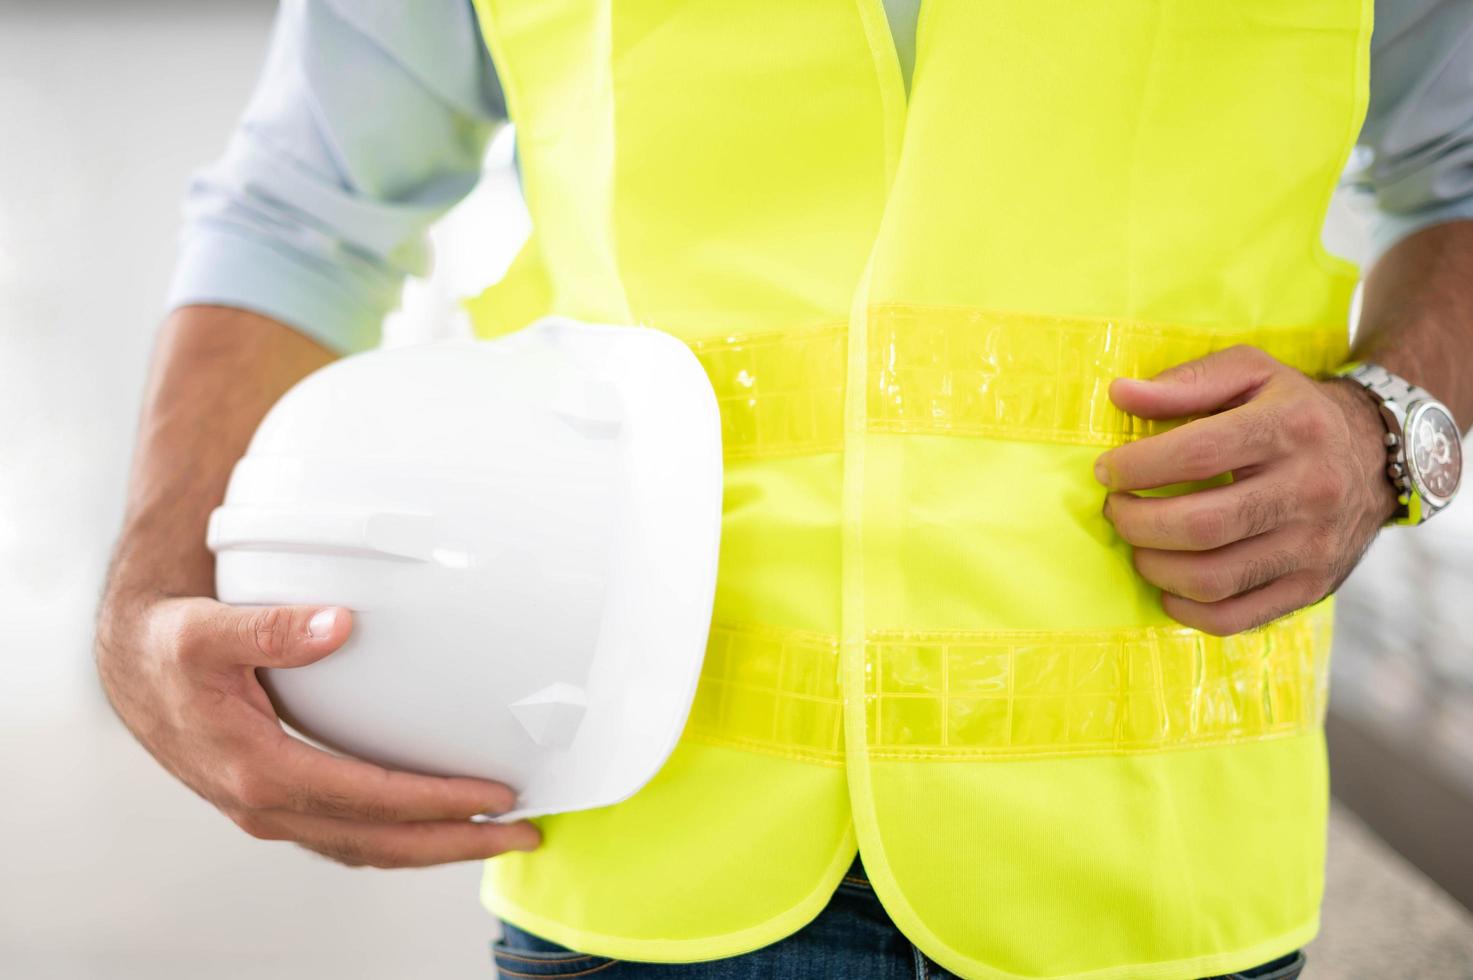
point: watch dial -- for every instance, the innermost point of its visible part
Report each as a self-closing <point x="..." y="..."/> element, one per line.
<point x="1436" y="452"/>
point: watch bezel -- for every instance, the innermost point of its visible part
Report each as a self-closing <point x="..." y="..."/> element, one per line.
<point x="1415" y="412"/>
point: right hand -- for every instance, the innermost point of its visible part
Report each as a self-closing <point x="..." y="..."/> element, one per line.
<point x="181" y="673"/>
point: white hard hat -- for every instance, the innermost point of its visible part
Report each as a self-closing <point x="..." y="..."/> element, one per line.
<point x="526" y="530"/>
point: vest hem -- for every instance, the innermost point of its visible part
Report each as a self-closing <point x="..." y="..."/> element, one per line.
<point x="892" y="899"/>
<point x="1191" y="968"/>
<point x="695" y="950"/>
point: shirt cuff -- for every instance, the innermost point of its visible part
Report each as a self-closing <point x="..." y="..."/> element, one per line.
<point x="221" y="267"/>
<point x="1390" y="227"/>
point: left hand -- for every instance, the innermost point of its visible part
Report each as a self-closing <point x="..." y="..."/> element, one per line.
<point x="1308" y="491"/>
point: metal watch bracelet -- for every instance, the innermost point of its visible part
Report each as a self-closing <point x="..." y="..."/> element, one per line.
<point x="1400" y="403"/>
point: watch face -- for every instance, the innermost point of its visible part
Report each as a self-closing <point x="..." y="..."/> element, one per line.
<point x="1435" y="452"/>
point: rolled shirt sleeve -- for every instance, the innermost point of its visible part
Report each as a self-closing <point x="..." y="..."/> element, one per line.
<point x="1416" y="148"/>
<point x="369" y="121"/>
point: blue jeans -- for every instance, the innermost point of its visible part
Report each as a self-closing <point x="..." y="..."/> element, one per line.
<point x="852" y="937"/>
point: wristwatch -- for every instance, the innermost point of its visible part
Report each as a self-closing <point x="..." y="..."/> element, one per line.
<point x="1424" y="451"/>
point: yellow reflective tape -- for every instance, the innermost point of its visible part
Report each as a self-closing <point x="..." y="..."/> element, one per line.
<point x="1029" y="693"/>
<point x="967" y="372"/>
<point x="971" y="696"/>
<point x="781" y="394"/>
<point x="771" y="690"/>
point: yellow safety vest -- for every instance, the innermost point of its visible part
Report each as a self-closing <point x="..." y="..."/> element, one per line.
<point x="928" y="643"/>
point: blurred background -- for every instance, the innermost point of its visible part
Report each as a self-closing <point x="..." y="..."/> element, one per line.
<point x="111" y="869"/>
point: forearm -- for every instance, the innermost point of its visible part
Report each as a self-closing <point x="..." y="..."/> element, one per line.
<point x="215" y="373"/>
<point x="1417" y="314"/>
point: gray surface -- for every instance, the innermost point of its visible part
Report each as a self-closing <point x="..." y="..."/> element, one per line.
<point x="1383" y="920"/>
<point x="113" y="870"/>
<point x="1396" y="787"/>
<point x="110" y="868"/>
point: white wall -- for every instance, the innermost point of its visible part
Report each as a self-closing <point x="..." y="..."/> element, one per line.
<point x="108" y="868"/>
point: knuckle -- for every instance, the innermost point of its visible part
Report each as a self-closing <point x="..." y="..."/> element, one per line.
<point x="1190" y="372"/>
<point x="1322" y="489"/>
<point x="1313" y="590"/>
<point x="1160" y="527"/>
<point x="249" y="790"/>
<point x="186" y="637"/>
<point x="256" y="825"/>
<point x="1216" y="626"/>
<point x="1204" y="527"/>
<point x="266" y="631"/>
<point x="1203" y="454"/>
<point x="358" y="854"/>
<point x="1206" y="619"/>
<point x="343" y="850"/>
<point x="1252" y="355"/>
<point x="1228" y="622"/>
<point x="1122" y="462"/>
<point x="1150" y="565"/>
<point x="1309" y="424"/>
<point x="1304" y="590"/>
<point x="1249" y="623"/>
<point x="389" y="859"/>
<point x="1209" y="583"/>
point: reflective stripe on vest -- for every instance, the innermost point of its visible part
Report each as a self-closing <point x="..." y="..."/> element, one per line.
<point x="959" y="371"/>
<point x="997" y="695"/>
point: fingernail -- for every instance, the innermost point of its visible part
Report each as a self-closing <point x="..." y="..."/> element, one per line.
<point x="1102" y="471"/>
<point x="322" y="623"/>
<point x="1117" y="383"/>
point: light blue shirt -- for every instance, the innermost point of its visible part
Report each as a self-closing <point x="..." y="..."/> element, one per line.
<point x="371" y="118"/>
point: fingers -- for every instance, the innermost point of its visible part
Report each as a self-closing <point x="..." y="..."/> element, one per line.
<point x="212" y="636"/>
<point x="272" y="771"/>
<point x="309" y="781"/>
<point x="270" y="781"/>
<point x="1246" y="611"/>
<point x="1199" y="450"/>
<point x="1213" y="576"/>
<point x="1196" y="387"/>
<point x="1203" y="520"/>
<point x="401" y="845"/>
<point x="1243" y="430"/>
<point x="209" y="721"/>
<point x="258" y="766"/>
<point x="1307" y="496"/>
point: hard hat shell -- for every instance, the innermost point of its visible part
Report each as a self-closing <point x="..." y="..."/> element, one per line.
<point x="527" y="531"/>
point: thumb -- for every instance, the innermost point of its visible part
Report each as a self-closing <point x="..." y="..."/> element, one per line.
<point x="1219" y="380"/>
<point x="279" y="636"/>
